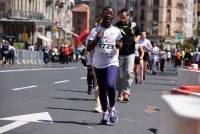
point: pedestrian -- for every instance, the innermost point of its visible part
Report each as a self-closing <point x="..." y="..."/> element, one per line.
<point x="178" y="58"/>
<point x="4" y="51"/>
<point x="169" y="57"/>
<point x="138" y="65"/>
<point x="196" y="56"/>
<point x="105" y="40"/>
<point x="46" y="53"/>
<point x="162" y="57"/>
<point x="131" y="34"/>
<point x="11" y="54"/>
<point x="147" y="47"/>
<point x="154" y="58"/>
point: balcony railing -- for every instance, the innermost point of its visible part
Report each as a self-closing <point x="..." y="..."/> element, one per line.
<point x="22" y="15"/>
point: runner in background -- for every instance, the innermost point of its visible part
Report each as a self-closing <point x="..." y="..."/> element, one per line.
<point x="147" y="47"/>
<point x="131" y="34"/>
<point x="138" y="65"/>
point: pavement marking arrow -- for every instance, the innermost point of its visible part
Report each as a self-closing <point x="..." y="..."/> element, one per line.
<point x="24" y="119"/>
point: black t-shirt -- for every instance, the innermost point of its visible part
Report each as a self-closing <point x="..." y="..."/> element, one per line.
<point x="128" y="46"/>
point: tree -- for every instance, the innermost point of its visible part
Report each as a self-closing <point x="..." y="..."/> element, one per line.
<point x="188" y="44"/>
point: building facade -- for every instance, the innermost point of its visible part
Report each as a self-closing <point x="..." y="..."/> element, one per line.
<point x="26" y="19"/>
<point x="23" y="19"/>
<point x="170" y="20"/>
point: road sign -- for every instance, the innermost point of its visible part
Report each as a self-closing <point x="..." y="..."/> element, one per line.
<point x="179" y="36"/>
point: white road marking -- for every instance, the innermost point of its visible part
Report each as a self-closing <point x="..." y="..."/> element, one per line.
<point x="24" y="119"/>
<point x="36" y="69"/>
<point x="12" y="126"/>
<point x="21" y="88"/>
<point x="83" y="78"/>
<point x="58" y="82"/>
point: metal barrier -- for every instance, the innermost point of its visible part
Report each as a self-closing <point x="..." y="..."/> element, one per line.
<point x="29" y="57"/>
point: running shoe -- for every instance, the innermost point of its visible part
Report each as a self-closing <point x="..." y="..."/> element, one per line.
<point x="105" y="119"/>
<point x="113" y="116"/>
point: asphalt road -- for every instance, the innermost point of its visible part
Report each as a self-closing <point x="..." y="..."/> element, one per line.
<point x="58" y="94"/>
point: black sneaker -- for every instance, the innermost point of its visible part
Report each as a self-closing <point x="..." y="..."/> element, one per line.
<point x="105" y="119"/>
<point x="136" y="80"/>
<point x="90" y="89"/>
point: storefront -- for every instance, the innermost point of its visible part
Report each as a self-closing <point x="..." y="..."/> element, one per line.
<point x="23" y="31"/>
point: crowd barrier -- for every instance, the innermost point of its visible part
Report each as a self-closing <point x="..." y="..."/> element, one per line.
<point x="188" y="77"/>
<point x="187" y="90"/>
<point x="29" y="57"/>
<point x="180" y="109"/>
<point x="180" y="115"/>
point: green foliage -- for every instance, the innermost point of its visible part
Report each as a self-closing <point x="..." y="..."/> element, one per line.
<point x="188" y="44"/>
<point x="198" y="32"/>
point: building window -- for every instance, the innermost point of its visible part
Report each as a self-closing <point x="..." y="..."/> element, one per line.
<point x="135" y="3"/>
<point x="142" y="27"/>
<point x="168" y="16"/>
<point x="110" y="3"/>
<point x="168" y="29"/>
<point x="142" y="3"/>
<point x="156" y="2"/>
<point x="132" y="4"/>
<point x="169" y="3"/>
<point x="154" y="27"/>
<point x="118" y="3"/>
<point x="142" y="15"/>
<point x="155" y="14"/>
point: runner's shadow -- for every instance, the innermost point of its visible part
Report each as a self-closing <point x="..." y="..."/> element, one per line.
<point x="153" y="130"/>
<point x="84" y="123"/>
<point x="71" y="109"/>
<point x="67" y="90"/>
<point x="74" y="99"/>
<point x="164" y="84"/>
<point x="167" y="74"/>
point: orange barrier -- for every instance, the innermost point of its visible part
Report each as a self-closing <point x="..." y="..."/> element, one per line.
<point x="187" y="90"/>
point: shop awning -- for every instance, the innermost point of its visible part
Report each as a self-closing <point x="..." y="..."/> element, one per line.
<point x="44" y="38"/>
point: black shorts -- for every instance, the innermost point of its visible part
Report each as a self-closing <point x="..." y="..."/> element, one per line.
<point x="137" y="60"/>
<point x="146" y="56"/>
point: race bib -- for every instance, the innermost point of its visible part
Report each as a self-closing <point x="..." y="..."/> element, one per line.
<point x="105" y="49"/>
